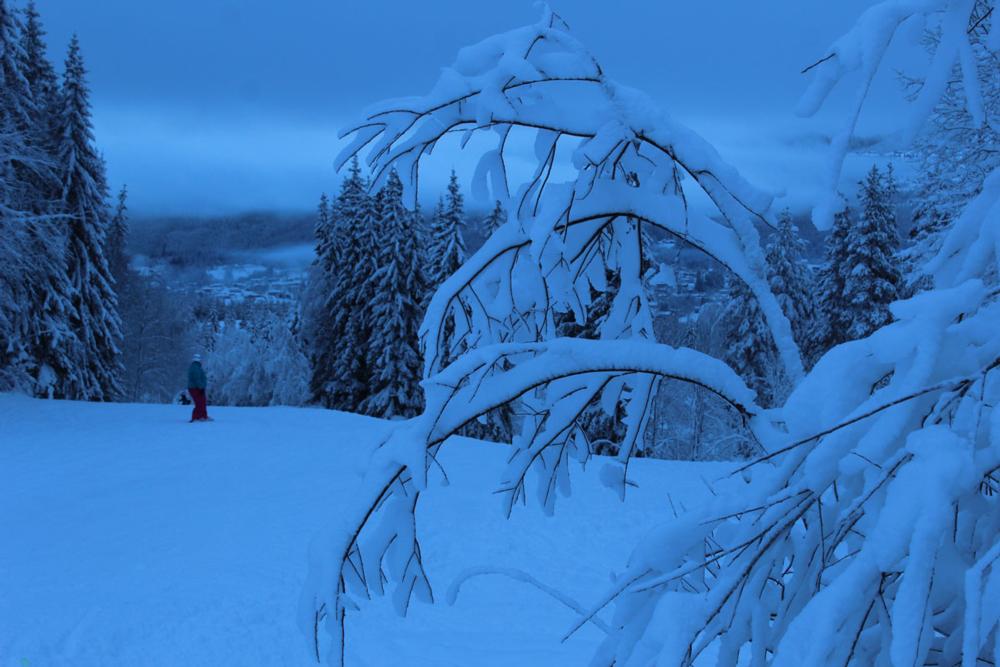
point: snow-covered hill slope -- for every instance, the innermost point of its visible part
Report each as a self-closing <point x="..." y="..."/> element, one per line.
<point x="131" y="537"/>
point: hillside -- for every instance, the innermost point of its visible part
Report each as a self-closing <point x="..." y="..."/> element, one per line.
<point x="131" y="537"/>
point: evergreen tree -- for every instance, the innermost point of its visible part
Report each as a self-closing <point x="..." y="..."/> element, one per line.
<point x="41" y="79"/>
<point x="355" y="225"/>
<point x="872" y="277"/>
<point x="495" y="219"/>
<point x="833" y="317"/>
<point x="322" y="304"/>
<point x="791" y="281"/>
<point x="17" y="107"/>
<point x="396" y="366"/>
<point x="749" y="347"/>
<point x="95" y="319"/>
<point x="448" y="246"/>
<point x="117" y="241"/>
<point x="36" y="344"/>
<point x="39" y="347"/>
<point x="26" y="175"/>
<point x="447" y="254"/>
<point x="325" y="252"/>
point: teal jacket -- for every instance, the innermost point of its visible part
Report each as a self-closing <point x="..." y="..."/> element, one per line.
<point x="196" y="376"/>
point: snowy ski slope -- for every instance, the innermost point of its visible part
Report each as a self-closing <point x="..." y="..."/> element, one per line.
<point x="130" y="537"/>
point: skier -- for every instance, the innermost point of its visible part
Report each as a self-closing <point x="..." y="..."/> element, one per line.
<point x="196" y="389"/>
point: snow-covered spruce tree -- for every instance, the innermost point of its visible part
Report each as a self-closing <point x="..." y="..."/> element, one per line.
<point x="37" y="346"/>
<point x="793" y="284"/>
<point x="16" y="100"/>
<point x="321" y="304"/>
<point x="396" y="367"/>
<point x="448" y="248"/>
<point x="495" y="219"/>
<point x="872" y="276"/>
<point x="96" y="373"/>
<point x="29" y="181"/>
<point x="832" y="320"/>
<point x="446" y="254"/>
<point x="750" y="351"/>
<point x="41" y="78"/>
<point x="355" y="219"/>
<point x="117" y="240"/>
<point x="326" y="251"/>
<point x="561" y="239"/>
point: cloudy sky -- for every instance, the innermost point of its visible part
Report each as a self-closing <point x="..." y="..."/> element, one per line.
<point x="210" y="106"/>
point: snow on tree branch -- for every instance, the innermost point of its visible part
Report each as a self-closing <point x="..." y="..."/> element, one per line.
<point x="862" y="50"/>
<point x="540" y="80"/>
<point x="562" y="240"/>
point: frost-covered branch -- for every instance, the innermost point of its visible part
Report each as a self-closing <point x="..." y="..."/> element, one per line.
<point x="862" y="50"/>
<point x="540" y="84"/>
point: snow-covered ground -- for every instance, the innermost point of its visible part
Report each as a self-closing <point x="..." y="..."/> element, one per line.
<point x="131" y="537"/>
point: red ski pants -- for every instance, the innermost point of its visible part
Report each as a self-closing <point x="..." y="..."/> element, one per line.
<point x="200" y="407"/>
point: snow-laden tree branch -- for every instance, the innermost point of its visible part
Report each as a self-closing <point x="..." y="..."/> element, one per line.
<point x="848" y="542"/>
<point x="563" y="238"/>
<point x="862" y="50"/>
<point x="869" y="536"/>
<point x="538" y="83"/>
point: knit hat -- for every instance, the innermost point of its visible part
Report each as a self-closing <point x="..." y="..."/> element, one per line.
<point x="197" y="357"/>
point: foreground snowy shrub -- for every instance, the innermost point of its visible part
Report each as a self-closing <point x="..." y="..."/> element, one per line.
<point x="862" y="536"/>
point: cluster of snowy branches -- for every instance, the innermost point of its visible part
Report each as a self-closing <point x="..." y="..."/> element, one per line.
<point x="862" y="534"/>
<point x="60" y="330"/>
<point x="955" y="151"/>
<point x="257" y="363"/>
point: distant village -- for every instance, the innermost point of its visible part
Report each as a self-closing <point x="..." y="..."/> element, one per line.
<point x="232" y="284"/>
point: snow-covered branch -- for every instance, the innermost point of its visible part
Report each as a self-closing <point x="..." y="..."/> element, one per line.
<point x="863" y="48"/>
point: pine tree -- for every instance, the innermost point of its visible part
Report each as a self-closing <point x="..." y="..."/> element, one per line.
<point x="322" y="305"/>
<point x="396" y="368"/>
<point x="117" y="241"/>
<point x="833" y="321"/>
<point x="355" y="224"/>
<point x="449" y="248"/>
<point x="326" y="254"/>
<point x="872" y="277"/>
<point x="41" y="79"/>
<point x="95" y="318"/>
<point x="37" y="338"/>
<point x="495" y="219"/>
<point x="17" y="106"/>
<point x="749" y="347"/>
<point x="26" y="177"/>
<point x="792" y="283"/>
<point x="447" y="252"/>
